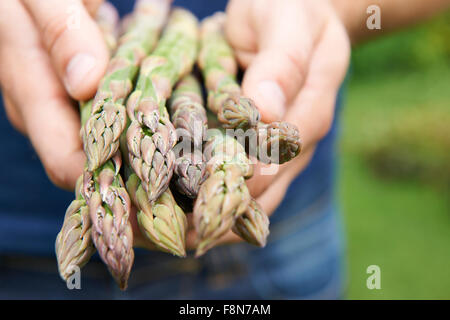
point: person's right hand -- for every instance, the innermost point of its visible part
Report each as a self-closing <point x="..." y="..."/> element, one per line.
<point x="45" y="61"/>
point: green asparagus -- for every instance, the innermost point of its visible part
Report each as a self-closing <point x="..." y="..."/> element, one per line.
<point x="102" y="131"/>
<point x="277" y="142"/>
<point x="151" y="136"/>
<point x="163" y="222"/>
<point x="189" y="119"/>
<point x="216" y="60"/>
<point x="224" y="196"/>
<point x="104" y="190"/>
<point x="253" y="225"/>
<point x="74" y="246"/>
<point x="109" y="208"/>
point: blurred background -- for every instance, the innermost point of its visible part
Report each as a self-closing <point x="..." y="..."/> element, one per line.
<point x="395" y="164"/>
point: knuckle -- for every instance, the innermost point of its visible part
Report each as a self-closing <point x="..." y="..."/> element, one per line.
<point x="294" y="65"/>
<point x="54" y="30"/>
<point x="297" y="58"/>
<point x="92" y="5"/>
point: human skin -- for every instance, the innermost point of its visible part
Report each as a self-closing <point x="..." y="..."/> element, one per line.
<point x="297" y="78"/>
<point x="295" y="53"/>
<point x="43" y="64"/>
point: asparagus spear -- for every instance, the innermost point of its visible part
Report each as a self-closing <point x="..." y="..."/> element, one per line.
<point x="74" y="245"/>
<point x="104" y="201"/>
<point x="253" y="225"/>
<point x="224" y="196"/>
<point x="163" y="222"/>
<point x="219" y="70"/>
<point x="104" y="189"/>
<point x="109" y="209"/>
<point x="102" y="131"/>
<point x="189" y="119"/>
<point x="190" y="173"/>
<point x="188" y="112"/>
<point x="278" y="142"/>
<point x="151" y="136"/>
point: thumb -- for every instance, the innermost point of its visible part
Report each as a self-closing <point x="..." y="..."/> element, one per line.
<point x="278" y="70"/>
<point x="74" y="42"/>
<point x="272" y="80"/>
<point x="92" y="6"/>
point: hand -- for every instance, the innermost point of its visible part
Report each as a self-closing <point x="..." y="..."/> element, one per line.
<point x="43" y="64"/>
<point x="296" y="54"/>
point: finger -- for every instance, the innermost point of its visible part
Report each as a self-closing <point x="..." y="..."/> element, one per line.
<point x="13" y="114"/>
<point x="107" y="19"/>
<point x="191" y="240"/>
<point x="125" y="22"/>
<point x="92" y="6"/>
<point x="74" y="42"/>
<point x="277" y="72"/>
<point x="228" y="238"/>
<point x="271" y="198"/>
<point x="27" y="76"/>
<point x="261" y="180"/>
<point x="313" y="108"/>
<point x="108" y="16"/>
<point x="191" y="235"/>
<point x="262" y="177"/>
<point x="244" y="58"/>
<point x="238" y="26"/>
<point x="53" y="126"/>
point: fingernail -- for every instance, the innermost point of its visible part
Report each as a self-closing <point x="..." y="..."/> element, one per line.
<point x="77" y="70"/>
<point x="271" y="98"/>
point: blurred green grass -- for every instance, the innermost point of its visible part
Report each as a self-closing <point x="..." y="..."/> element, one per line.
<point x="401" y="224"/>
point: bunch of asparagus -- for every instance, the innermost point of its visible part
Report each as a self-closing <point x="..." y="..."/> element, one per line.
<point x="149" y="115"/>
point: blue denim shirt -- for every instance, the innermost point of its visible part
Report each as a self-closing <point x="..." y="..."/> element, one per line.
<point x="301" y="260"/>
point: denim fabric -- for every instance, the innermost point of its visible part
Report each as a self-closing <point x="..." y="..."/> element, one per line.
<point x="302" y="260"/>
<point x="303" y="257"/>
